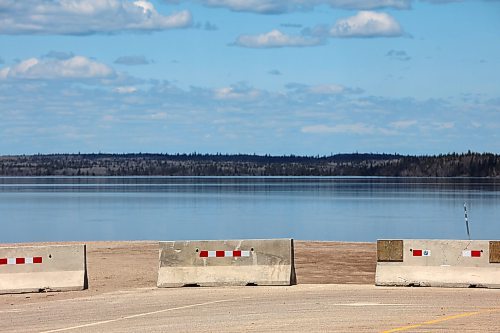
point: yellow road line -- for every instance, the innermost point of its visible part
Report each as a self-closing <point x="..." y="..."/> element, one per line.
<point x="439" y="320"/>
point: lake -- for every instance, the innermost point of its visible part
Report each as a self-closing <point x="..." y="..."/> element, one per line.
<point x="307" y="208"/>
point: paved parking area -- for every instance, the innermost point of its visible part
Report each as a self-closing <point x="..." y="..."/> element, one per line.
<point x="301" y="308"/>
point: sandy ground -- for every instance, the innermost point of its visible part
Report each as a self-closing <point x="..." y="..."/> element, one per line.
<point x="335" y="262"/>
<point x="118" y="266"/>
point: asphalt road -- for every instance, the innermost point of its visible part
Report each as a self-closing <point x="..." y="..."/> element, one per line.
<point x="301" y="308"/>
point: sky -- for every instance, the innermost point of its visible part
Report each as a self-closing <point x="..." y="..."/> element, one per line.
<point x="305" y="77"/>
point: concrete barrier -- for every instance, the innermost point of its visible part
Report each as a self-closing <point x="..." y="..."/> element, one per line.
<point x="42" y="268"/>
<point x="226" y="263"/>
<point x="438" y="263"/>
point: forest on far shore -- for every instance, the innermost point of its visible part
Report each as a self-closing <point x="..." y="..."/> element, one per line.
<point x="468" y="164"/>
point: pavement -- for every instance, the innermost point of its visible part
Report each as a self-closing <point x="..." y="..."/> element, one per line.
<point x="300" y="308"/>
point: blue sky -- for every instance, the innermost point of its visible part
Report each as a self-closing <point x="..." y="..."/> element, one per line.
<point x="252" y="76"/>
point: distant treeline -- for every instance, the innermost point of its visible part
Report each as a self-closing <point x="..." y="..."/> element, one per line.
<point x="450" y="165"/>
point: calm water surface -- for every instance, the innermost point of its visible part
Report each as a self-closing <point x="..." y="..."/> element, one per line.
<point x="176" y="208"/>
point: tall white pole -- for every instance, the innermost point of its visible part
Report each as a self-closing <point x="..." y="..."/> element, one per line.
<point x="466" y="220"/>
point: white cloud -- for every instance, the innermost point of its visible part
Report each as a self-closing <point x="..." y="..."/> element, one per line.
<point x="403" y="124"/>
<point x="145" y="5"/>
<point x="275" y="39"/>
<point x="284" y="6"/>
<point x="258" y="6"/>
<point x="327" y="89"/>
<point x="280" y="119"/>
<point x="367" y="24"/>
<point x="82" y="17"/>
<point x="357" y="128"/>
<point x="370" y="4"/>
<point x="159" y="116"/>
<point x="439" y="2"/>
<point x="4" y="72"/>
<point x="320" y="91"/>
<point x="444" y="125"/>
<point x="125" y="90"/>
<point x="236" y="93"/>
<point x="76" y="67"/>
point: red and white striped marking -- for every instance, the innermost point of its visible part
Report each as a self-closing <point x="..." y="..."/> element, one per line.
<point x="471" y="253"/>
<point x="224" y="254"/>
<point x="421" y="253"/>
<point x="21" y="261"/>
